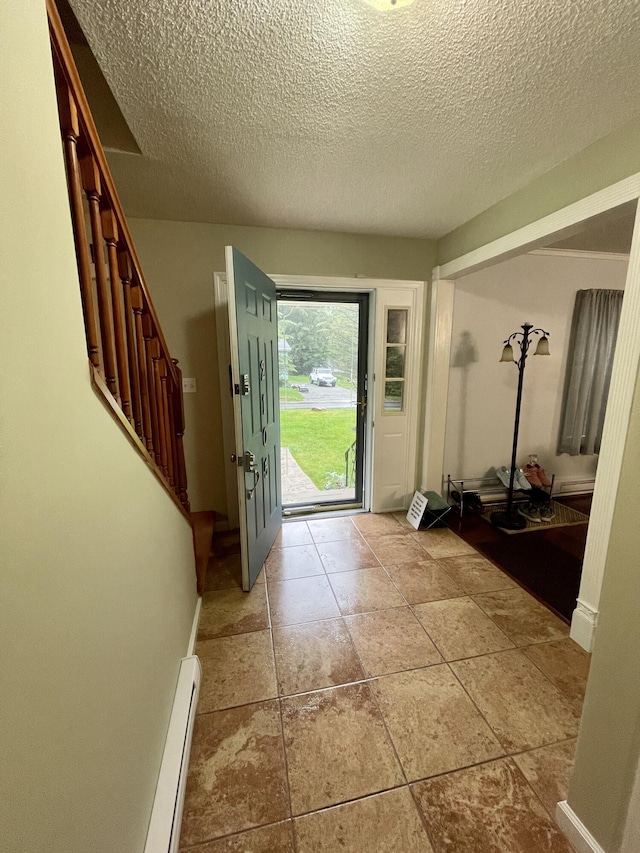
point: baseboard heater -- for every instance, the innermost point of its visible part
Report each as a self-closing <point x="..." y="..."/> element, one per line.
<point x="575" y="487"/>
<point x="166" y="816"/>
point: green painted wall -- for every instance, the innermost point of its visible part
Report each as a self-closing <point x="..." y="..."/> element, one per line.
<point x="97" y="572"/>
<point x="609" y="160"/>
<point x="609" y="742"/>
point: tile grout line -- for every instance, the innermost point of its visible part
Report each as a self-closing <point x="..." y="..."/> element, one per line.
<point x="369" y="679"/>
<point x="350" y="800"/>
<point x="479" y="710"/>
<point x="284" y="748"/>
<point x="548" y="677"/>
<point x="235" y="834"/>
<point x="422" y="816"/>
<point x="374" y="698"/>
<point x="539" y="800"/>
<point x="390" y="739"/>
<point x="416" y="616"/>
<point x="492" y="592"/>
<point x="507" y="752"/>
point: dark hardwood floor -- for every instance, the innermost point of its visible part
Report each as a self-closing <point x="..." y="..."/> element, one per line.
<point x="547" y="562"/>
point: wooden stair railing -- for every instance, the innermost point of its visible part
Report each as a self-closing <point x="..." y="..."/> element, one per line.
<point x="128" y="356"/>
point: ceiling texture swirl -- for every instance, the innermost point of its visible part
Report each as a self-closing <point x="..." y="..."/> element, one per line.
<point x="332" y="115"/>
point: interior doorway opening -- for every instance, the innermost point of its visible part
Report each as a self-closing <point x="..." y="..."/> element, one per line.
<point x="563" y="405"/>
<point x="323" y="395"/>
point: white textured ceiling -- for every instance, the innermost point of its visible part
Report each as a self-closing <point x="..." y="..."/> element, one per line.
<point x="327" y="114"/>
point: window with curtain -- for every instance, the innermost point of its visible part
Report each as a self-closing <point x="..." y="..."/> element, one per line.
<point x="592" y="345"/>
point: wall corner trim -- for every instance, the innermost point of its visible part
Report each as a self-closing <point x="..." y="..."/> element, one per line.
<point x="583" y="625"/>
<point x="575" y="831"/>
<point x="194" y="628"/>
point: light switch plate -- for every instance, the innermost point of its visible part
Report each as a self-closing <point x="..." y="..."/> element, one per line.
<point x="188" y="385"/>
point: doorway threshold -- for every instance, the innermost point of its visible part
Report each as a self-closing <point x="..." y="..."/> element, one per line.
<point x="295" y="513"/>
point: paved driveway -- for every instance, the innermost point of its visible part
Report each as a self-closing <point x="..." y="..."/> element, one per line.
<point x="323" y="397"/>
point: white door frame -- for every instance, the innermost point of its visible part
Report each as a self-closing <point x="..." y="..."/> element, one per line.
<point x="562" y="223"/>
<point x="377" y="288"/>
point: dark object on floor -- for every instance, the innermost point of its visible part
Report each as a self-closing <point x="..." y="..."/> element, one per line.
<point x="560" y="516"/>
<point x="510" y="522"/>
<point x="435" y="511"/>
<point x="472" y="501"/>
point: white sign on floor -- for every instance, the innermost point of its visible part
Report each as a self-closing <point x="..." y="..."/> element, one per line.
<point x="416" y="510"/>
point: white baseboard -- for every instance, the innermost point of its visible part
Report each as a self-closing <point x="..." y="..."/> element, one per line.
<point x="583" y="625"/>
<point x="194" y="628"/>
<point x="575" y="831"/>
<point x="163" y="835"/>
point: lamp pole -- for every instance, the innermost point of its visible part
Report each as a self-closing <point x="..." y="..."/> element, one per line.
<point x="510" y="520"/>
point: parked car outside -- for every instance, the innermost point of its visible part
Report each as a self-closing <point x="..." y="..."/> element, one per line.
<point x="322" y="376"/>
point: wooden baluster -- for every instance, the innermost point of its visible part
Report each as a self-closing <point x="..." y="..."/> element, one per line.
<point x="168" y="435"/>
<point x="141" y="361"/>
<point x="162" y="428"/>
<point x="172" y="433"/>
<point x="178" y="423"/>
<point x="152" y="350"/>
<point x="70" y="133"/>
<point x="124" y="268"/>
<point x="92" y="188"/>
<point x="110" y="233"/>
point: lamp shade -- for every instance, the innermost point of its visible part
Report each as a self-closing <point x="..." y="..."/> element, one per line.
<point x="507" y="353"/>
<point x="543" y="346"/>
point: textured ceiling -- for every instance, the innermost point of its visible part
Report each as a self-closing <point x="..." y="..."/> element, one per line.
<point x="328" y="114"/>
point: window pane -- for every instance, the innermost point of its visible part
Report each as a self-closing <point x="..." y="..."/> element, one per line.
<point x="397" y="325"/>
<point x="393" y="396"/>
<point x="395" y="362"/>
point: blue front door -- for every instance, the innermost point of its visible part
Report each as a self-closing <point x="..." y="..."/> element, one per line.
<point x="253" y="320"/>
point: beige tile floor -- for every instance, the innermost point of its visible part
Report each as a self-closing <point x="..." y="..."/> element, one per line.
<point x="379" y="690"/>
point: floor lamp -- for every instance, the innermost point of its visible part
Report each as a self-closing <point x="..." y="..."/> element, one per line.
<point x="508" y="519"/>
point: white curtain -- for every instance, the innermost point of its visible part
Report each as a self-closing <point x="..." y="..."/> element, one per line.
<point x="594" y="330"/>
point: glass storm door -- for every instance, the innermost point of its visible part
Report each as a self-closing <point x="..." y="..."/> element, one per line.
<point x="322" y="348"/>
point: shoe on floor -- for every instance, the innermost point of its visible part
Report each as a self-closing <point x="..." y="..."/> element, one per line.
<point x="530" y="512"/>
<point x="522" y="481"/>
<point x="519" y="480"/>
<point x="502" y="474"/>
<point x="547" y="512"/>
<point x="474" y="502"/>
<point x="532" y="474"/>
<point x="542" y="476"/>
